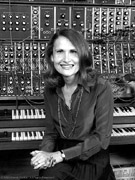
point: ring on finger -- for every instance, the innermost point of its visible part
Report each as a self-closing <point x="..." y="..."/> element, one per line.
<point x="37" y="163"/>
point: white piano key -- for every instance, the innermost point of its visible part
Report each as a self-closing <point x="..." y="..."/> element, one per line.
<point x="133" y="111"/>
<point x="123" y="131"/>
<point x="43" y="113"/>
<point x="40" y="113"/>
<point x="21" y="136"/>
<point x="23" y="113"/>
<point x="112" y="134"/>
<point x="39" y="135"/>
<point x="25" y="135"/>
<point x="32" y="114"/>
<point x="36" y="115"/>
<point x="116" y="133"/>
<point x="132" y="132"/>
<point x="32" y="135"/>
<point x="28" y="136"/>
<point x="28" y="114"/>
<point x="124" y="111"/>
<point x="42" y="134"/>
<point x="128" y="111"/>
<point x="13" y="137"/>
<point x="36" y="135"/>
<point x="17" y="114"/>
<point x="17" y="138"/>
<point x="13" y="114"/>
<point x="115" y="113"/>
<point x="126" y="133"/>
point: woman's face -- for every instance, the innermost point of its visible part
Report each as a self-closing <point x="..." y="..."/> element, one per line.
<point x="65" y="57"/>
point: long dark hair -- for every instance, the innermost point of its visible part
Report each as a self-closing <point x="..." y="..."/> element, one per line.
<point x="52" y="77"/>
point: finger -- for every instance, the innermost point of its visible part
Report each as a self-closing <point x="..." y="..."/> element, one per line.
<point x="33" y="153"/>
<point x="37" y="162"/>
<point x="35" y="159"/>
<point x="45" y="163"/>
<point x="53" y="162"/>
<point x="39" y="165"/>
<point x="50" y="162"/>
<point x="37" y="156"/>
<point x="43" y="167"/>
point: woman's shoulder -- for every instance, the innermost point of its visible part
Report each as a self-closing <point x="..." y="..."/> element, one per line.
<point x="102" y="81"/>
<point x="95" y="78"/>
<point x="103" y="85"/>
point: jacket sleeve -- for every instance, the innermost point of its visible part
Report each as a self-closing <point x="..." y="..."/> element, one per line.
<point x="99" y="138"/>
<point x="50" y="136"/>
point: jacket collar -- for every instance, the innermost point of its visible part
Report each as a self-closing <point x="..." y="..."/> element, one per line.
<point x="87" y="86"/>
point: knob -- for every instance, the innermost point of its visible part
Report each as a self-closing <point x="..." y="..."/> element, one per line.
<point x="17" y="17"/>
<point x="59" y="24"/>
<point x="17" y="29"/>
<point x="3" y="22"/>
<point x="23" y="16"/>
<point x="66" y="24"/>
<point x="47" y="15"/>
<point x="62" y="16"/>
<point x="78" y="16"/>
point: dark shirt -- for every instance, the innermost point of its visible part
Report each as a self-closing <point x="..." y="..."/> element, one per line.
<point x="93" y="122"/>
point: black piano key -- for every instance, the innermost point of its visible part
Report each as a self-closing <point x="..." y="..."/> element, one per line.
<point x="25" y="111"/>
<point x="122" y="109"/>
<point x="133" y="129"/>
<point x="115" y="129"/>
<point x="34" y="112"/>
<point x="41" y="133"/>
<point x="120" y="130"/>
<point x="129" y="108"/>
<point x="125" y="109"/>
<point x="30" y="133"/>
<point x="19" y="134"/>
<point x="14" y="112"/>
<point x="29" y="112"/>
<point x="40" y="112"/>
<point x="126" y="129"/>
<point x="34" y="134"/>
<point x="130" y="129"/>
<point x="25" y="134"/>
<point x="115" y="108"/>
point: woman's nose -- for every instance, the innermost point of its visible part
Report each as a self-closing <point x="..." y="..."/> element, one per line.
<point x="67" y="57"/>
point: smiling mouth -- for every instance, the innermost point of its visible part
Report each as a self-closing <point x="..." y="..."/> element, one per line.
<point x="67" y="66"/>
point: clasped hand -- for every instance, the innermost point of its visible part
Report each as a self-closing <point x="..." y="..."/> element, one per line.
<point x="43" y="160"/>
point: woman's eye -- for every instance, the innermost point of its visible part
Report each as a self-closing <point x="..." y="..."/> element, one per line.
<point x="73" y="51"/>
<point x="59" y="51"/>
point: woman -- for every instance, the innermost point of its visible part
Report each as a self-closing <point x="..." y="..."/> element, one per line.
<point x="79" y="114"/>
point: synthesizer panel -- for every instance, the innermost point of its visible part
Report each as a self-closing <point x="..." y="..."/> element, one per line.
<point x="27" y="26"/>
